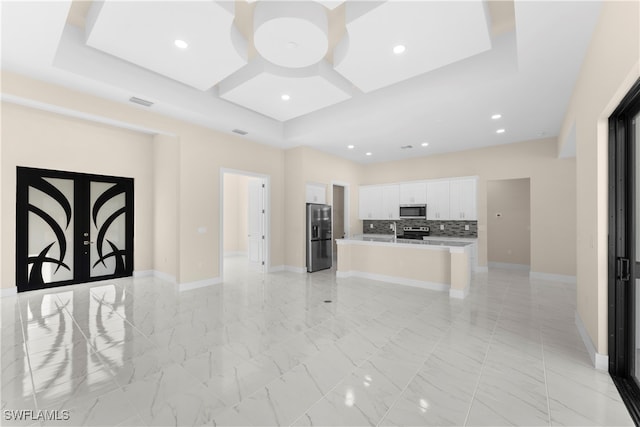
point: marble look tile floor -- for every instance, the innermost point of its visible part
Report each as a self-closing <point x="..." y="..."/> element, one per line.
<point x="270" y="350"/>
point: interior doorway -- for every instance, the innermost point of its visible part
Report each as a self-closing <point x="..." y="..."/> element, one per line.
<point x="509" y="223"/>
<point x="244" y="218"/>
<point x="340" y="217"/>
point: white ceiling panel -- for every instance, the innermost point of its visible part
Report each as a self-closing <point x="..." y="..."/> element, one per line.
<point x="435" y="34"/>
<point x="31" y="32"/>
<point x="144" y="33"/>
<point x="260" y="87"/>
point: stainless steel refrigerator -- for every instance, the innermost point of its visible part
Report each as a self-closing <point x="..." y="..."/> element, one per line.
<point x="319" y="245"/>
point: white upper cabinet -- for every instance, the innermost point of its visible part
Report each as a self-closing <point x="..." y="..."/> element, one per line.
<point x="463" y="200"/>
<point x="370" y="202"/>
<point x="413" y="193"/>
<point x="390" y="202"/>
<point x="379" y="202"/>
<point x="438" y="200"/>
<point x="446" y="199"/>
<point x="316" y="193"/>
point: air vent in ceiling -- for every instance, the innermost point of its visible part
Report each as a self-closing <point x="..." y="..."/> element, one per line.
<point x="239" y="131"/>
<point x="406" y="147"/>
<point x="141" y="101"/>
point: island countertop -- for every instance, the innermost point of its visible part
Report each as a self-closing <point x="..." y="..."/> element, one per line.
<point x="389" y="240"/>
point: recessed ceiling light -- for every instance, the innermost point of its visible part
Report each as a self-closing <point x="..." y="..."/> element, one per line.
<point x="351" y="147"/>
<point x="399" y="49"/>
<point x="500" y="131"/>
<point x="181" y="44"/>
<point x="292" y="45"/>
<point x="285" y="97"/>
<point x="368" y="154"/>
<point x="425" y="144"/>
<point x="496" y="116"/>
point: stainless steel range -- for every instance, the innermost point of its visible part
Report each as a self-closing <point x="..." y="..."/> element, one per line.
<point x="415" y="232"/>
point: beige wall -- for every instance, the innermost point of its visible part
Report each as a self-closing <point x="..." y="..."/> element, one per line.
<point x="610" y="68"/>
<point x="235" y="220"/>
<point x="303" y="165"/>
<point x="166" y="173"/>
<point x="201" y="154"/>
<point x="67" y="144"/>
<point x="508" y="221"/>
<point x="553" y="193"/>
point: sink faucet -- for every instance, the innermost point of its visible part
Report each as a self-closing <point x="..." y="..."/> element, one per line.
<point x="394" y="227"/>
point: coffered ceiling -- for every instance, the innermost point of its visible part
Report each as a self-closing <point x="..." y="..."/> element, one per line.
<point x="327" y="74"/>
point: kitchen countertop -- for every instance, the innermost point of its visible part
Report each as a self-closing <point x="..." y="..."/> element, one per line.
<point x="430" y="242"/>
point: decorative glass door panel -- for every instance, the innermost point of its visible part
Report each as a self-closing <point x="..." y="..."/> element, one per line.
<point x="108" y="229"/>
<point x="72" y="228"/>
<point x="50" y="245"/>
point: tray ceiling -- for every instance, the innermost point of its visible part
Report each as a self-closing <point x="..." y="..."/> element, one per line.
<point x="325" y="74"/>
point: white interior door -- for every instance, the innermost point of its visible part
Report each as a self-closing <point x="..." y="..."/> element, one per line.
<point x="256" y="224"/>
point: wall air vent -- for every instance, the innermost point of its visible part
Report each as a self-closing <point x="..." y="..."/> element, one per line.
<point x="406" y="147"/>
<point x="240" y="131"/>
<point x="141" y="101"/>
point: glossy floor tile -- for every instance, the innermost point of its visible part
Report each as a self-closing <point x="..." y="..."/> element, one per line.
<point x="294" y="349"/>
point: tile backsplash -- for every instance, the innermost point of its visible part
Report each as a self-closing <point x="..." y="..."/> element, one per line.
<point x="451" y="228"/>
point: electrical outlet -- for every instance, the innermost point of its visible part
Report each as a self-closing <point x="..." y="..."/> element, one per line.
<point x="370" y="225"/>
<point x="466" y="227"/>
<point x="441" y="226"/>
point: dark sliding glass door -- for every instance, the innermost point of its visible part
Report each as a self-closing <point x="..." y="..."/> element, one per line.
<point x="72" y="228"/>
<point x="624" y="250"/>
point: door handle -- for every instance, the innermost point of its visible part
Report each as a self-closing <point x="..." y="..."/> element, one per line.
<point x="623" y="267"/>
<point x="86" y="243"/>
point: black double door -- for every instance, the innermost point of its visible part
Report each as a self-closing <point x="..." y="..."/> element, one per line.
<point x="624" y="250"/>
<point x="72" y="228"/>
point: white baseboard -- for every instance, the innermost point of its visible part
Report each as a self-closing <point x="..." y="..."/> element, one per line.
<point x="293" y="269"/>
<point x="199" y="284"/>
<point x="509" y="266"/>
<point x="600" y="361"/>
<point x="459" y="293"/>
<point x="165" y="276"/>
<point x="155" y="273"/>
<point x="276" y="268"/>
<point x="235" y="253"/>
<point x="393" y="279"/>
<point x="481" y="269"/>
<point x="552" y="277"/>
<point x="143" y="273"/>
<point x="8" y="292"/>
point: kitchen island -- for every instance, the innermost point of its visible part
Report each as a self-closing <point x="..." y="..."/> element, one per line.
<point x="442" y="265"/>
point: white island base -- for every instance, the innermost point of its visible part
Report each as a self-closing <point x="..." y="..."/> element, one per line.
<point x="435" y="265"/>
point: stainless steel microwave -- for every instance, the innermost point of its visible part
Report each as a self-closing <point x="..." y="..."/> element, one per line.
<point x="413" y="211"/>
